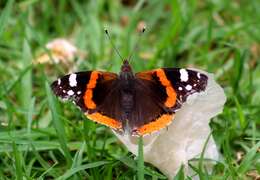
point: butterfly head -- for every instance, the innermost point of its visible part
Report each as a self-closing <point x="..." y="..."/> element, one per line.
<point x="126" y="71"/>
<point x="126" y="66"/>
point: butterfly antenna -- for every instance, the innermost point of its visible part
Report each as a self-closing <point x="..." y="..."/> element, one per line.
<point x="113" y="45"/>
<point x="136" y="44"/>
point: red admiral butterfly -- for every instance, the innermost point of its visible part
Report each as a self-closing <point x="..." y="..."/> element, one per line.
<point x="138" y="103"/>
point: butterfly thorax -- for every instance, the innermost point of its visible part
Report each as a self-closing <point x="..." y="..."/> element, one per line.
<point x="127" y="81"/>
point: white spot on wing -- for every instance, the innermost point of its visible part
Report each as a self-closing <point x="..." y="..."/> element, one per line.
<point x="180" y="88"/>
<point x="70" y="92"/>
<point x="188" y="87"/>
<point x="73" y="80"/>
<point x="198" y="75"/>
<point x="63" y="91"/>
<point x="184" y="75"/>
<point x="59" y="81"/>
<point x="79" y="92"/>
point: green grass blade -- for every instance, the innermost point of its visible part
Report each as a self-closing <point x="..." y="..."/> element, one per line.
<point x="242" y="119"/>
<point x="43" y="163"/>
<point x="247" y="160"/>
<point x="5" y="15"/>
<point x="78" y="158"/>
<point x="201" y="159"/>
<point x="128" y="162"/>
<point x="239" y="63"/>
<point x="73" y="171"/>
<point x="30" y="116"/>
<point x="140" y="162"/>
<point x="25" y="85"/>
<point x="180" y="175"/>
<point x="228" y="155"/>
<point x="131" y="163"/>
<point x="48" y="171"/>
<point x="18" y="162"/>
<point x="17" y="81"/>
<point x="58" y="124"/>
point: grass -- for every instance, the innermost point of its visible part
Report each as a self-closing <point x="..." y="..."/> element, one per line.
<point x="45" y="139"/>
<point x="140" y="162"/>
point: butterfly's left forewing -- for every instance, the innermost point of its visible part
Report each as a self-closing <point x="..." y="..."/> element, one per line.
<point x="88" y="90"/>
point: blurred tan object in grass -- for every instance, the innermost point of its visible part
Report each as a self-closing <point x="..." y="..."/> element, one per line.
<point x="146" y="55"/>
<point x="124" y="21"/>
<point x="253" y="175"/>
<point x="62" y="47"/>
<point x="239" y="156"/>
<point x="184" y="139"/>
<point x="255" y="53"/>
<point x="61" y="51"/>
<point x="140" y="26"/>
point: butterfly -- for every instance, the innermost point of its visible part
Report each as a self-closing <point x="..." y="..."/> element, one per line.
<point x="133" y="103"/>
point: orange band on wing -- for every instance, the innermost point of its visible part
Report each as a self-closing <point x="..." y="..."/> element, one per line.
<point x="156" y="125"/>
<point x="90" y="104"/>
<point x="171" y="99"/>
<point x="97" y="117"/>
<point x="147" y="75"/>
<point x="107" y="76"/>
